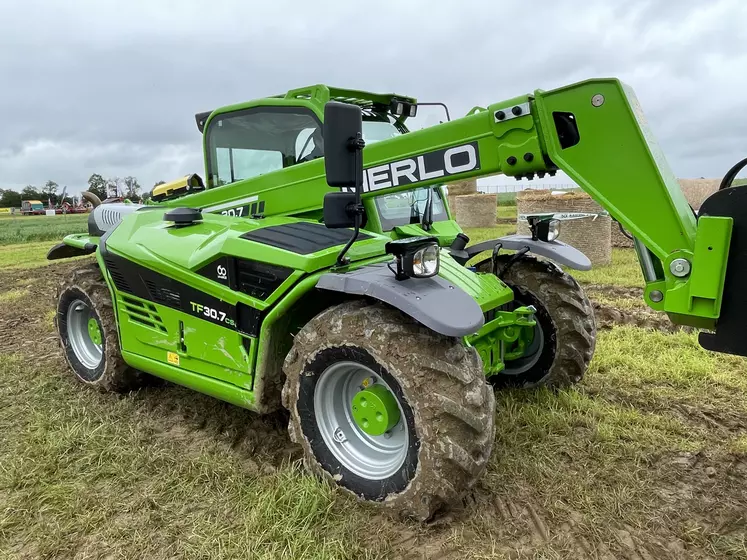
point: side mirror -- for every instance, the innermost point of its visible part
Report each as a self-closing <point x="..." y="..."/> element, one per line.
<point x="339" y="210"/>
<point x="343" y="127"/>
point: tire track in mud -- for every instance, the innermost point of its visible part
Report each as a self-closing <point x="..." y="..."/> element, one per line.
<point x="182" y="415"/>
<point x="608" y="316"/>
<point x="519" y="528"/>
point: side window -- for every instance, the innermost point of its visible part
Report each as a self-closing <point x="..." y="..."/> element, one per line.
<point x="235" y="164"/>
<point x="252" y="142"/>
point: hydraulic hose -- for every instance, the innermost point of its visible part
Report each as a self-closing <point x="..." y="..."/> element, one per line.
<point x="732" y="174"/>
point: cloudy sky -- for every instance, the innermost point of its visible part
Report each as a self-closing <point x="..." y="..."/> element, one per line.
<point x="111" y="87"/>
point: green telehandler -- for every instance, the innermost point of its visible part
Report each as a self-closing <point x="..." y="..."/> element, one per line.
<point x="318" y="268"/>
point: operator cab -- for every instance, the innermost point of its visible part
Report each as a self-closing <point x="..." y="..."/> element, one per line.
<point x="252" y="139"/>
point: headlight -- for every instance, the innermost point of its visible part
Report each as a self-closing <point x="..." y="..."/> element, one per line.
<point x="425" y="262"/>
<point x="548" y="230"/>
<point x="416" y="257"/>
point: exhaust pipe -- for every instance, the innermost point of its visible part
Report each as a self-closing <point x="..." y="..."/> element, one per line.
<point x="92" y="198"/>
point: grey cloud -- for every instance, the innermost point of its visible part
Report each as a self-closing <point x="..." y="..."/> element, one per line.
<point x="112" y="87"/>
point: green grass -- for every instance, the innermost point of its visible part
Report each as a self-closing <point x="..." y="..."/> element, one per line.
<point x="24" y="229"/>
<point x="507" y="199"/>
<point x="26" y="255"/>
<point x="166" y="472"/>
<point x="507" y="212"/>
<point x="624" y="270"/>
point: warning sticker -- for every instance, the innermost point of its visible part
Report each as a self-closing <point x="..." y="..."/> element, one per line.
<point x="173" y="358"/>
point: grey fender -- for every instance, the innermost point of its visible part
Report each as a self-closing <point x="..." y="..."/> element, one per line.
<point x="434" y="302"/>
<point x="557" y="251"/>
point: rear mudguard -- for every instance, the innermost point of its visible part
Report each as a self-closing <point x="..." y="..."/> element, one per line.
<point x="557" y="251"/>
<point x="435" y="302"/>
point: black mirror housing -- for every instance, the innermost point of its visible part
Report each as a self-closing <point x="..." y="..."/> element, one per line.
<point x="343" y="127"/>
<point x="339" y="210"/>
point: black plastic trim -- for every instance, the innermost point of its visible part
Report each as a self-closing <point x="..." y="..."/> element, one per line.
<point x="132" y="278"/>
<point x="302" y="238"/>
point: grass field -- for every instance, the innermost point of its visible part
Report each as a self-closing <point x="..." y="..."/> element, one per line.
<point x="646" y="458"/>
<point x="23" y="229"/>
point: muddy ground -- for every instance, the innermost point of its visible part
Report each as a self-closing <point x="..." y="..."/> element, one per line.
<point x="693" y="503"/>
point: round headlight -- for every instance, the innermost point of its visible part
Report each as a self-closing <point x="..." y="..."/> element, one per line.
<point x="553" y="230"/>
<point x="425" y="262"/>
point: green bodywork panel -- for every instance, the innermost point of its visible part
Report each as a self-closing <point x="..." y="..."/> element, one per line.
<point x="217" y="358"/>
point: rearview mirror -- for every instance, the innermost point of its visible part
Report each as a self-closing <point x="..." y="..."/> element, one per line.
<point x="342" y="133"/>
<point x="339" y="210"/>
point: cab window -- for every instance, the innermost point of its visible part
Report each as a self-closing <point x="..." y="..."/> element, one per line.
<point x="252" y="142"/>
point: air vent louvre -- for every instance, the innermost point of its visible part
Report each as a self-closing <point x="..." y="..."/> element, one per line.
<point x="142" y="313"/>
<point x="119" y="279"/>
<point x="163" y="295"/>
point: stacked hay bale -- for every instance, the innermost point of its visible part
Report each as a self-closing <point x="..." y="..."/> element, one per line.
<point x="476" y="210"/>
<point x="697" y="190"/>
<point x="460" y="188"/>
<point x="590" y="235"/>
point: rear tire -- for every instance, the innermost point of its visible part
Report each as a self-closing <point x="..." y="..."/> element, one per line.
<point x="565" y="317"/>
<point x="87" y="331"/>
<point x="447" y="408"/>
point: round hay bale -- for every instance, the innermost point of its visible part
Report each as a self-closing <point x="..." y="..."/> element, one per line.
<point x="590" y="235"/>
<point x="476" y="210"/>
<point x="458" y="188"/>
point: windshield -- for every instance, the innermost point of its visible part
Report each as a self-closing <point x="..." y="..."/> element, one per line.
<point x="376" y="131"/>
<point x="403" y="208"/>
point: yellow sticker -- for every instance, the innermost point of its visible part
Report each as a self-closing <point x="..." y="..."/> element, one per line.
<point x="173" y="358"/>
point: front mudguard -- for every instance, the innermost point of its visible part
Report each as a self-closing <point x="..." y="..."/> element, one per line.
<point x="435" y="302"/>
<point x="561" y="253"/>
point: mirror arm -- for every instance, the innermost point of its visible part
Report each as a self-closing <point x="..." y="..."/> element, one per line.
<point x="356" y="144"/>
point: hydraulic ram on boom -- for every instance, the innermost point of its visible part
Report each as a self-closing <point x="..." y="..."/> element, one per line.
<point x="594" y="131"/>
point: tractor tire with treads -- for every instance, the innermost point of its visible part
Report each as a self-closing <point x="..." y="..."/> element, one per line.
<point x="565" y="317"/>
<point x="87" y="331"/>
<point x="442" y="442"/>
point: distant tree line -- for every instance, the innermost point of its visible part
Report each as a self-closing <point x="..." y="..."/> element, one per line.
<point x="113" y="187"/>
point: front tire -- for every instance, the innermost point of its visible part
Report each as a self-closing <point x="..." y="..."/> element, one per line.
<point x="566" y="333"/>
<point x="443" y="438"/>
<point x="87" y="331"/>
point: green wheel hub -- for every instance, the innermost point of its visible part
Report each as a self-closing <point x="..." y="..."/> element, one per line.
<point x="375" y="410"/>
<point x="94" y="331"/>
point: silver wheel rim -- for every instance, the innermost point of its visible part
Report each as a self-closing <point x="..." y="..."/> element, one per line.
<point x="530" y="357"/>
<point x="370" y="457"/>
<point x="86" y="350"/>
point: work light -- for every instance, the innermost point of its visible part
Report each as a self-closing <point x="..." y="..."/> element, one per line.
<point x="548" y="230"/>
<point x="416" y="257"/>
<point x="400" y="107"/>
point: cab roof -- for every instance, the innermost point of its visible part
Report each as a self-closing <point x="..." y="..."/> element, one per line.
<point x="321" y="94"/>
